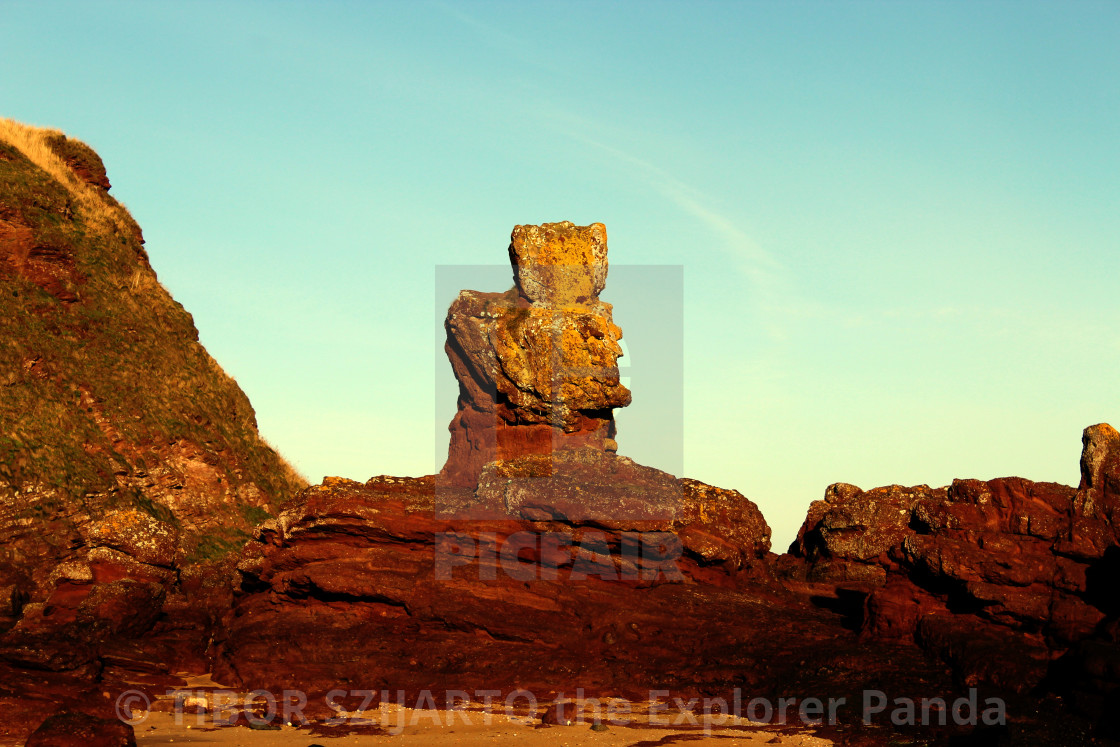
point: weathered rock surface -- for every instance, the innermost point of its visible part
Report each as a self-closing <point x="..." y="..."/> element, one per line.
<point x="539" y="559"/>
<point x="110" y="406"/>
<point x="559" y="264"/>
<point x="365" y="587"/>
<point x="538" y="365"/>
<point x="717" y="528"/>
<point x="80" y="158"/>
<point x="999" y="578"/>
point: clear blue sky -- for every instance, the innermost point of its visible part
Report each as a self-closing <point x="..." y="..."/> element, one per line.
<point x="898" y="222"/>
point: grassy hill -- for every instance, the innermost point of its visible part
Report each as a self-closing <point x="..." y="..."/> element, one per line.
<point x="107" y="399"/>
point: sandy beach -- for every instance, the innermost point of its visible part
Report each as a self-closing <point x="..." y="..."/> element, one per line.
<point x="201" y="719"/>
<point x="165" y="728"/>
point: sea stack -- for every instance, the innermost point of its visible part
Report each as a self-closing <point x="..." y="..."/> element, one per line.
<point x="537" y="365"/>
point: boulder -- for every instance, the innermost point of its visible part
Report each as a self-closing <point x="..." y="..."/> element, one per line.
<point x="137" y="534"/>
<point x="559" y="264"/>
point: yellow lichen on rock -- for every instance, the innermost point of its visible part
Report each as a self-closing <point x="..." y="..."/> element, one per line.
<point x="537" y="365"/>
<point x="559" y="264"/>
<point x="555" y="363"/>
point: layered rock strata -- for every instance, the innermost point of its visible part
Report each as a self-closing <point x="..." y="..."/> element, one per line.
<point x="998" y="577"/>
<point x="363" y="586"/>
<point x="539" y="558"/>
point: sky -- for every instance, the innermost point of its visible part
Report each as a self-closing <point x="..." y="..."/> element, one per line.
<point x="889" y="231"/>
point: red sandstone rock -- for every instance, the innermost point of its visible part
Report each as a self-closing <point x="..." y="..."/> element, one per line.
<point x="542" y="560"/>
<point x="124" y="608"/>
<point x="366" y="586"/>
<point x="49" y="266"/>
<point x="537" y="365"/>
<point x="977" y="569"/>
<point x="985" y="655"/>
<point x="132" y="461"/>
<point x="138" y="535"/>
<point x="1099" y="492"/>
<point x="82" y="159"/>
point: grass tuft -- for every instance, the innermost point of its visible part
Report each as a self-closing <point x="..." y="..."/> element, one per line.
<point x="98" y="210"/>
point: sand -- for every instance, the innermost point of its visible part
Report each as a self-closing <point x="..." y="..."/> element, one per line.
<point x="162" y="729"/>
<point x="473" y="726"/>
<point x="200" y="713"/>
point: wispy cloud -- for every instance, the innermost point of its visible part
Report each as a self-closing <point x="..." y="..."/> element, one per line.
<point x="762" y="269"/>
<point x="517" y="46"/>
<point x="768" y="279"/>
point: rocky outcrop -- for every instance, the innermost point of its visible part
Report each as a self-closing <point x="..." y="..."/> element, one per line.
<point x="364" y="586"/>
<point x="67" y="729"/>
<point x="539" y="557"/>
<point x="110" y="406"/>
<point x="996" y="577"/>
<point x="80" y="158"/>
<point x="1089" y="673"/>
<point x="130" y="463"/>
<point x="537" y="365"/>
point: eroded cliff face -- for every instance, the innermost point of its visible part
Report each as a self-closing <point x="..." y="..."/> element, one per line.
<point x="1012" y="582"/>
<point x="109" y="401"/>
<point x="130" y="463"/>
<point x="537" y="365"/>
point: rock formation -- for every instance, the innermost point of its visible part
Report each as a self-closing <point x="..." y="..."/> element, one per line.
<point x="109" y="402"/>
<point x="365" y="586"/>
<point x="999" y="578"/>
<point x="130" y="463"/>
<point x="544" y="559"/>
<point x="537" y="365"/>
<point x="539" y="558"/>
